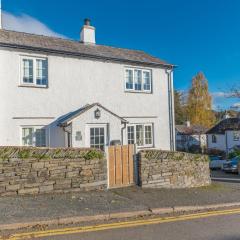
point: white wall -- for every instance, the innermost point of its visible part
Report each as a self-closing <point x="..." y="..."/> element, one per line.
<point x="230" y="140"/>
<point x="73" y="83"/>
<point x="220" y="144"/>
<point x="85" y="120"/>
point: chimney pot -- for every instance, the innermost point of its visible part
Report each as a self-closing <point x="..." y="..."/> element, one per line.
<point x="87" y="22"/>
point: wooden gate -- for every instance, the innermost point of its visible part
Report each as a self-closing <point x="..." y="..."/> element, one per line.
<point x="120" y="166"/>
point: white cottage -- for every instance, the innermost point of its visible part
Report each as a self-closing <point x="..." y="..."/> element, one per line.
<point x="63" y="93"/>
<point x="225" y="135"/>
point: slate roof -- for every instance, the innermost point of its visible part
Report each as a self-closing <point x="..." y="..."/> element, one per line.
<point x="193" y="129"/>
<point x="55" y="45"/>
<point x="224" y="125"/>
<point x="67" y="118"/>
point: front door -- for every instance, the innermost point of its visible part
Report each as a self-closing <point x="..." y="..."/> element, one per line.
<point x="97" y="136"/>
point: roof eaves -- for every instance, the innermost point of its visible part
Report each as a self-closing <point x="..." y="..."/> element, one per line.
<point x="91" y="56"/>
<point x="83" y="110"/>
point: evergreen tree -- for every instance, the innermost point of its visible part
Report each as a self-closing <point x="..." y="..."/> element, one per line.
<point x="180" y="109"/>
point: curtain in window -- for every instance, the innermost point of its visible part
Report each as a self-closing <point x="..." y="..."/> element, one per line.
<point x="129" y="79"/>
<point x="27" y="70"/>
<point x="41" y="69"/>
<point x="146" y="81"/>
<point x="138" y="80"/>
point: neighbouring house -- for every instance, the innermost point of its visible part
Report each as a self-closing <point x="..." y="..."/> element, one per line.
<point x="64" y="93"/>
<point x="225" y="135"/>
<point x="191" y="138"/>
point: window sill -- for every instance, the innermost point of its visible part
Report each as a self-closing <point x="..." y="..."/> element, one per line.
<point x="145" y="147"/>
<point x="134" y="91"/>
<point x="33" y="86"/>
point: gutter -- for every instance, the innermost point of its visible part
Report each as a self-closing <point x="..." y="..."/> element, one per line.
<point x="89" y="56"/>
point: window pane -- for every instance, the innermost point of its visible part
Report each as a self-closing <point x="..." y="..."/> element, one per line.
<point x="138" y="80"/>
<point x="97" y="139"/>
<point x="130" y="130"/>
<point x="139" y="135"/>
<point x="148" y="135"/>
<point x="27" y="136"/>
<point x="146" y="81"/>
<point x="40" y="135"/>
<point x="129" y="78"/>
<point x="41" y="72"/>
<point x="27" y="70"/>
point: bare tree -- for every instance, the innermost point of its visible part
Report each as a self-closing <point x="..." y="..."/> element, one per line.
<point x="235" y="92"/>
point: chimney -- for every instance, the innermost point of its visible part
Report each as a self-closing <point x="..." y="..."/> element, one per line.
<point x="226" y="115"/>
<point x="87" y="34"/>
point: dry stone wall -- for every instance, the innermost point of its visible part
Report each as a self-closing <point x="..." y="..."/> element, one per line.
<point x="163" y="169"/>
<point x="42" y="170"/>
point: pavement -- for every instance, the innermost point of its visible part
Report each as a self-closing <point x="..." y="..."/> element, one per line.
<point x="124" y="202"/>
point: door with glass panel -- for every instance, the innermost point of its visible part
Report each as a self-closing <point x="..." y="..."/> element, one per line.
<point x="98" y="136"/>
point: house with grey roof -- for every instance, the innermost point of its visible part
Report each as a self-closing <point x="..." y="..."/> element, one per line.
<point x="225" y="135"/>
<point x="63" y="93"/>
<point x="191" y="137"/>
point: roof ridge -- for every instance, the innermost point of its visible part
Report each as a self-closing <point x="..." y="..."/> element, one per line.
<point x="75" y="41"/>
<point x="16" y="39"/>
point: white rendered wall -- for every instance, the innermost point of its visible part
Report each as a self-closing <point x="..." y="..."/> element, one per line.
<point x="220" y="144"/>
<point x="230" y="140"/>
<point x="73" y="83"/>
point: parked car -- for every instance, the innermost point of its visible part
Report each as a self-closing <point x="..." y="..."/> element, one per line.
<point x="216" y="162"/>
<point x="231" y="165"/>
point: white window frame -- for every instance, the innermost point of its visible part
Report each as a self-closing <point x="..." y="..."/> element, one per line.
<point x="236" y="136"/>
<point x="144" y="139"/>
<point x="93" y="125"/>
<point x="142" y="83"/>
<point x="34" y="59"/>
<point x="34" y="135"/>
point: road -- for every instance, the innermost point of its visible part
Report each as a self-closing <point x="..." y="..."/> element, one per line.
<point x="216" y="225"/>
<point x="220" y="176"/>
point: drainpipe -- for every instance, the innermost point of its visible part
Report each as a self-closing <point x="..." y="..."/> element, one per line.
<point x="226" y="137"/>
<point x="67" y="131"/>
<point x="122" y="130"/>
<point x="171" y="109"/>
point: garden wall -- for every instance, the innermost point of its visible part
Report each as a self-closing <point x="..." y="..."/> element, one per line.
<point x="163" y="169"/>
<point x="42" y="170"/>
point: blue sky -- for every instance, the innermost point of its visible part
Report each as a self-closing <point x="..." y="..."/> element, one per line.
<point x="196" y="35"/>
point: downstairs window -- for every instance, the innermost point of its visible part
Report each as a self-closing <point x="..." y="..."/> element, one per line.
<point x="34" y="136"/>
<point x="140" y="134"/>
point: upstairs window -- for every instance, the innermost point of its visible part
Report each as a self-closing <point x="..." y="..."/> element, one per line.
<point x="138" y="80"/>
<point x="34" y="71"/>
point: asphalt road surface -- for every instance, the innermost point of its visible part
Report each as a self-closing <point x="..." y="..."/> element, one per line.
<point x="213" y="228"/>
<point x="214" y="225"/>
<point x="221" y="176"/>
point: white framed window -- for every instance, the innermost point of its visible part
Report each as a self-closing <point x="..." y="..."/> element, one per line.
<point x="34" y="71"/>
<point x="214" y="139"/>
<point x="97" y="137"/>
<point x="140" y="134"/>
<point x="236" y="136"/>
<point x="34" y="136"/>
<point x="138" y="80"/>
